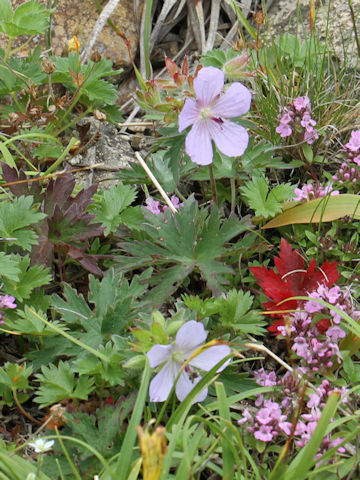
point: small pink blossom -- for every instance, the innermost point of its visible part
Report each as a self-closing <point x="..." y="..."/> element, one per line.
<point x="296" y="118"/>
<point x="156" y="208"/>
<point x="7" y="301"/>
<point x="310" y="191"/>
<point x="354" y="143"/>
<point x="153" y="206"/>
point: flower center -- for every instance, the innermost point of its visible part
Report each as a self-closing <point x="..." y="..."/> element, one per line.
<point x="205" y="112"/>
<point x="177" y="356"/>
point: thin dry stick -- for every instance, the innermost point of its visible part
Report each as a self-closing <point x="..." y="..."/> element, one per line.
<point x="135" y="124"/>
<point x="156" y="183"/>
<point x="353" y="19"/>
<point x="201" y="23"/>
<point x="261" y="348"/>
<point x="99" y="25"/>
<point x="213" y="25"/>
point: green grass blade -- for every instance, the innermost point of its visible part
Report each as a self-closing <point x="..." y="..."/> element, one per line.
<point x="305" y="460"/>
<point x="224" y="412"/>
<point x="122" y="466"/>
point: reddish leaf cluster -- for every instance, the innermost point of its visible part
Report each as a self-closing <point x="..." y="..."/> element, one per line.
<point x="67" y="228"/>
<point x="291" y="280"/>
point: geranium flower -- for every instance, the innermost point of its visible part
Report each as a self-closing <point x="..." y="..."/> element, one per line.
<point x="188" y="339"/>
<point x="209" y="114"/>
<point x="292" y="280"/>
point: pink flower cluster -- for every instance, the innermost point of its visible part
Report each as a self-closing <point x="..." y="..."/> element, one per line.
<point x="297" y="118"/>
<point x="6" y="301"/>
<point x="156" y="208"/>
<point x="272" y="419"/>
<point x="268" y="422"/>
<point x="310" y="191"/>
<point x="305" y="428"/>
<point x="352" y="148"/>
<point x="349" y="171"/>
<point x="317" y="352"/>
<point x="313" y="333"/>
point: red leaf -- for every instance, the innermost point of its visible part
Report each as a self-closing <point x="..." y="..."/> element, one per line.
<point x="292" y="280"/>
<point x="171" y="67"/>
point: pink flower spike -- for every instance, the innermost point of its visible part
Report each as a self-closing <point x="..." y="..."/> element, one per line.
<point x="209" y="115"/>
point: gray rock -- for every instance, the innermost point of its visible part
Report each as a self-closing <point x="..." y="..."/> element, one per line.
<point x="333" y="21"/>
<point x="104" y="145"/>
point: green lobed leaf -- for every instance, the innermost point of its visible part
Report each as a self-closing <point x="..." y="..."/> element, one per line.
<point x="58" y="383"/>
<point x="9" y="267"/>
<point x="28" y="278"/>
<point x="112" y="203"/>
<point x="16" y="218"/>
<point x="264" y="201"/>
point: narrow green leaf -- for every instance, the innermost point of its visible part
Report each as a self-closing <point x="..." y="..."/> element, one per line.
<point x="125" y="456"/>
<point x="305" y="460"/>
<point x="320" y="210"/>
<point x="224" y="412"/>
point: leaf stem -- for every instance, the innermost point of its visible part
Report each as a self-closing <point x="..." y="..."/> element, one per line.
<point x="213" y="184"/>
<point x="20" y="407"/>
<point x="69" y="337"/>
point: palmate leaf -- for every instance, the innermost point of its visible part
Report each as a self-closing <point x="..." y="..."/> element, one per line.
<point x="264" y="201"/>
<point x="9" y="267"/>
<point x="15" y="219"/>
<point x="192" y="240"/>
<point x="30" y="18"/>
<point x="112" y="206"/>
<point x="58" y="383"/>
<point x="28" y="279"/>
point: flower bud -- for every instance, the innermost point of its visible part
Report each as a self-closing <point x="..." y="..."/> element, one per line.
<point x="153" y="449"/>
<point x="47" y="66"/>
<point x="234" y="69"/>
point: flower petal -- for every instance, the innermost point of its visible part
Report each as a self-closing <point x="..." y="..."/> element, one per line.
<point x="198" y="143"/>
<point x="207" y="359"/>
<point x="159" y="354"/>
<point x="230" y="138"/>
<point x="234" y="102"/>
<point x="185" y="385"/>
<point x="208" y="85"/>
<point x="189" y="114"/>
<point x="190" y="336"/>
<point x="162" y="383"/>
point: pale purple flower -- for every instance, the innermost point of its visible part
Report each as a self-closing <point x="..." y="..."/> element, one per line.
<point x="156" y="208"/>
<point x="188" y="339"/>
<point x="209" y="115"/>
